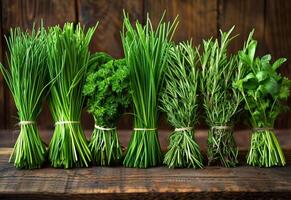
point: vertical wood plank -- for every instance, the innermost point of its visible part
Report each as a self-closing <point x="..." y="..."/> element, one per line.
<point x="245" y="15"/>
<point x="2" y="105"/>
<point x="278" y="42"/>
<point x="24" y="14"/>
<point x="110" y="17"/>
<point x="197" y="18"/>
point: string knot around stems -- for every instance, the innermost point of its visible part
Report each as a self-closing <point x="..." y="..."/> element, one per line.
<point x="26" y="122"/>
<point x="104" y="128"/>
<point x="67" y="122"/>
<point x="224" y="127"/>
<point x="145" y="129"/>
<point x="262" y="129"/>
<point x="184" y="129"/>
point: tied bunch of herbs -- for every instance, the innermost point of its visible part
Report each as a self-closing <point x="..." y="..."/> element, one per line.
<point x="263" y="89"/>
<point x="27" y="80"/>
<point x="221" y="102"/>
<point x="146" y="52"/>
<point x="179" y="102"/>
<point x="107" y="91"/>
<point x="68" y="58"/>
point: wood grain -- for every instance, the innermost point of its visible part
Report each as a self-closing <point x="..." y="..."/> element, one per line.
<point x="197" y="18"/>
<point x="24" y="14"/>
<point x="109" y="14"/>
<point x="278" y="42"/>
<point x="2" y="97"/>
<point x="243" y="182"/>
<point x="245" y="16"/>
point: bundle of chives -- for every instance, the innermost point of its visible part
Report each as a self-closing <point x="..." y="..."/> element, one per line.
<point x="221" y="102"/>
<point x="179" y="101"/>
<point x="68" y="57"/>
<point x="106" y="90"/>
<point x="27" y="79"/>
<point x="146" y="52"/>
<point x="263" y="90"/>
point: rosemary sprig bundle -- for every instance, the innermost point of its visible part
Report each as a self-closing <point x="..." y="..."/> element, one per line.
<point x="221" y="102"/>
<point x="68" y="57"/>
<point x="27" y="80"/>
<point x="263" y="90"/>
<point x="107" y="93"/>
<point x="146" y="52"/>
<point x="179" y="102"/>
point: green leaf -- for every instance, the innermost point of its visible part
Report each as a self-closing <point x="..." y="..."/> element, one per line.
<point x="250" y="82"/>
<point x="252" y="50"/>
<point x="284" y="92"/>
<point x="249" y="76"/>
<point x="271" y="86"/>
<point x="266" y="58"/>
<point x="245" y="58"/>
<point x="278" y="63"/>
<point x="262" y="75"/>
<point x="261" y="91"/>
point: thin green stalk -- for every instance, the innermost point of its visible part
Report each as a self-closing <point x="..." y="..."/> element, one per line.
<point x="105" y="147"/>
<point x="68" y="59"/>
<point x="27" y="80"/>
<point x="265" y="150"/>
<point x="221" y="144"/>
<point x="146" y="52"/>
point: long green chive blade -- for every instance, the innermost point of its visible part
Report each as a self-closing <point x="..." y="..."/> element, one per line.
<point x="146" y="51"/>
<point x="27" y="79"/>
<point x="68" y="60"/>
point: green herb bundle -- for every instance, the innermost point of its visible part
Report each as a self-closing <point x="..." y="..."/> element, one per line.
<point x="221" y="102"/>
<point x="179" y="102"/>
<point x="68" y="58"/>
<point x="27" y="80"/>
<point x="106" y="89"/>
<point x="263" y="90"/>
<point x="146" y="52"/>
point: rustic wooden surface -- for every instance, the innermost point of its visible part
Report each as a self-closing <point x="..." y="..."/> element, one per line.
<point x="243" y="182"/>
<point x="198" y="19"/>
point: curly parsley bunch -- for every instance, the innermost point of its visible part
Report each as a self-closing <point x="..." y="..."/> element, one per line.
<point x="106" y="90"/>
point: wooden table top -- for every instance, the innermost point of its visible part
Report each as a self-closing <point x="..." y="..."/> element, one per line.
<point x="243" y="182"/>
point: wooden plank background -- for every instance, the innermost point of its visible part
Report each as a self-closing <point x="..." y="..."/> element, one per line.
<point x="198" y="19"/>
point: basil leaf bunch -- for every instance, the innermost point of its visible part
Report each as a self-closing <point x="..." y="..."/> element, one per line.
<point x="107" y="92"/>
<point x="179" y="101"/>
<point x="263" y="89"/>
